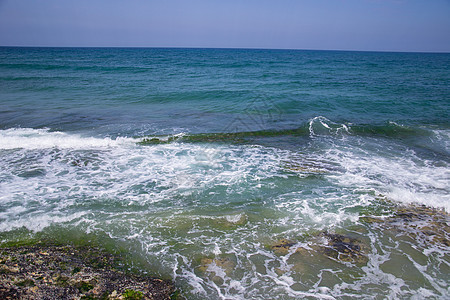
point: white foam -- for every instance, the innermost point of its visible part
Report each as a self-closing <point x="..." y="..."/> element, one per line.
<point x="403" y="177"/>
<point x="235" y="218"/>
<point x="38" y="221"/>
<point x="443" y="137"/>
<point x="322" y="126"/>
<point x="91" y="170"/>
<point x="28" y="138"/>
<point x="408" y="196"/>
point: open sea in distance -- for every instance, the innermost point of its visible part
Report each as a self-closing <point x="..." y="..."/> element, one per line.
<point x="239" y="174"/>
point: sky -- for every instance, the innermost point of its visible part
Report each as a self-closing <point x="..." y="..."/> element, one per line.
<point x="368" y="25"/>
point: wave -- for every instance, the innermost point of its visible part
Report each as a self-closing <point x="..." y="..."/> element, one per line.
<point x="30" y="138"/>
<point x="315" y="127"/>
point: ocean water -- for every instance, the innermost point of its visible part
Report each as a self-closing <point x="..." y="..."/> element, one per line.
<point x="196" y="163"/>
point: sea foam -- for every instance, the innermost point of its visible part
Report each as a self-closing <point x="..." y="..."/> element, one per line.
<point x="28" y="138"/>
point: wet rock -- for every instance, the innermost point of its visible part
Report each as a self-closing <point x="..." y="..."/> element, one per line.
<point x="305" y="168"/>
<point x="282" y="247"/>
<point x="370" y="220"/>
<point x="419" y="222"/>
<point x="66" y="272"/>
<point x="79" y="163"/>
<point x="216" y="268"/>
<point x="344" y="248"/>
<point x="338" y="247"/>
<point x="225" y="263"/>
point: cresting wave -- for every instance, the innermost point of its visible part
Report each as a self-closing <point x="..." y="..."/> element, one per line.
<point x="318" y="126"/>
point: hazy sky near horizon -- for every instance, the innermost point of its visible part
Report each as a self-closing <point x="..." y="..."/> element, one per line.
<point x="379" y="25"/>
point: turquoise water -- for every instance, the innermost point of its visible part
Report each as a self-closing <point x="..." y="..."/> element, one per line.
<point x="198" y="161"/>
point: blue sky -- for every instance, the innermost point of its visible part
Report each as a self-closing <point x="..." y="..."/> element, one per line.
<point x="379" y="25"/>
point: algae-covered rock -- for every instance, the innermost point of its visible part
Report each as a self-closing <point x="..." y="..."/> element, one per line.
<point x="344" y="248"/>
<point x="152" y="141"/>
<point x="370" y="220"/>
<point x="282" y="247"/>
<point x="338" y="247"/>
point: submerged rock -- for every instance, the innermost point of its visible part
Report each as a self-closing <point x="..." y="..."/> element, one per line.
<point x="344" y="248"/>
<point x="65" y="272"/>
<point x="217" y="268"/>
<point x="79" y="163"/>
<point x="419" y="222"/>
<point x="282" y="247"/>
<point x="305" y="168"/>
<point x="335" y="246"/>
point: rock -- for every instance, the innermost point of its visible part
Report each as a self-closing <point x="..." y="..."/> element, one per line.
<point x="209" y="266"/>
<point x="344" y="248"/>
<point x="337" y="247"/>
<point x="417" y="221"/>
<point x="370" y="220"/>
<point x="282" y="247"/>
<point x="226" y="264"/>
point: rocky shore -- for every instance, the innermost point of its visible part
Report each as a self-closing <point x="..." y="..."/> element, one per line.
<point x="425" y="225"/>
<point x="67" y="272"/>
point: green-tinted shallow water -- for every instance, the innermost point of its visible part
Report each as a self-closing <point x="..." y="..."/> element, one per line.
<point x="240" y="174"/>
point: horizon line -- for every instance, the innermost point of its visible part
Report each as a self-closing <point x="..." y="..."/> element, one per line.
<point x="229" y="48"/>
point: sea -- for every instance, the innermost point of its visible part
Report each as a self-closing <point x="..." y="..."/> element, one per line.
<point x="236" y="173"/>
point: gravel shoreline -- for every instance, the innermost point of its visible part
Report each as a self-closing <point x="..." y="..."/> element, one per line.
<point x="68" y="272"/>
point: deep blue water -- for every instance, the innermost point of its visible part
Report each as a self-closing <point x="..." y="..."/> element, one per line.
<point x="184" y="156"/>
<point x="191" y="89"/>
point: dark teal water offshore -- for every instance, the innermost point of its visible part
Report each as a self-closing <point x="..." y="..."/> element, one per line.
<point x="196" y="162"/>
